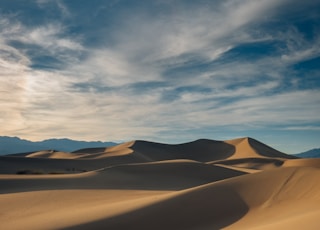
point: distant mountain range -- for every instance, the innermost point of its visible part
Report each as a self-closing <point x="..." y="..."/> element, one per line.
<point x="313" y="153"/>
<point x="11" y="145"/>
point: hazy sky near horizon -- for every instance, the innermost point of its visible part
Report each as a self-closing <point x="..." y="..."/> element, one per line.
<point x="162" y="70"/>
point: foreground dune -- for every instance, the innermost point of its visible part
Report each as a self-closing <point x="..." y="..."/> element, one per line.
<point x="205" y="184"/>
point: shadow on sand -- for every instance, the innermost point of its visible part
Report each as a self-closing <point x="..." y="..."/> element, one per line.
<point x="210" y="207"/>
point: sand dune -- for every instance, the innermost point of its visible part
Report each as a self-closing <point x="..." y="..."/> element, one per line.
<point x="252" y="163"/>
<point x="202" y="150"/>
<point x="165" y="175"/>
<point x="255" y="200"/>
<point x="52" y="154"/>
<point x="205" y="184"/>
<point x="303" y="162"/>
<point x="250" y="148"/>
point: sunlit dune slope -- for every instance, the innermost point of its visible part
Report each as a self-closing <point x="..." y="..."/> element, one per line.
<point x="51" y="154"/>
<point x="310" y="162"/>
<point x="256" y="200"/>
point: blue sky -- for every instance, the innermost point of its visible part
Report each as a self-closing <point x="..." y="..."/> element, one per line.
<point x="163" y="70"/>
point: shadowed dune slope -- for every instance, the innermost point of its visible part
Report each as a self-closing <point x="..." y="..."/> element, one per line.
<point x="200" y="150"/>
<point x="266" y="150"/>
<point x="13" y="165"/>
<point x="166" y="175"/>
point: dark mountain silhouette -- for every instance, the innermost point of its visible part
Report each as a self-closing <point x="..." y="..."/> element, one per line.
<point x="313" y="153"/>
<point x="11" y="145"/>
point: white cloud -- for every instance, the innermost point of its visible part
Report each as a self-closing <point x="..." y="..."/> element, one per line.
<point x="298" y="47"/>
<point x="48" y="39"/>
<point x="64" y="9"/>
<point x="303" y="127"/>
<point x="283" y="109"/>
<point x="185" y="31"/>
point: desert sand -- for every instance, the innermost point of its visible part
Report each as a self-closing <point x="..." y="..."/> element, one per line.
<point x="204" y="184"/>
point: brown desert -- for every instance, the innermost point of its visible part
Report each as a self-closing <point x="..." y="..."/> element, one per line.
<point x="204" y="184"/>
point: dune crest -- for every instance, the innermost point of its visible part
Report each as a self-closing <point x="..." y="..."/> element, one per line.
<point x="250" y="148"/>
